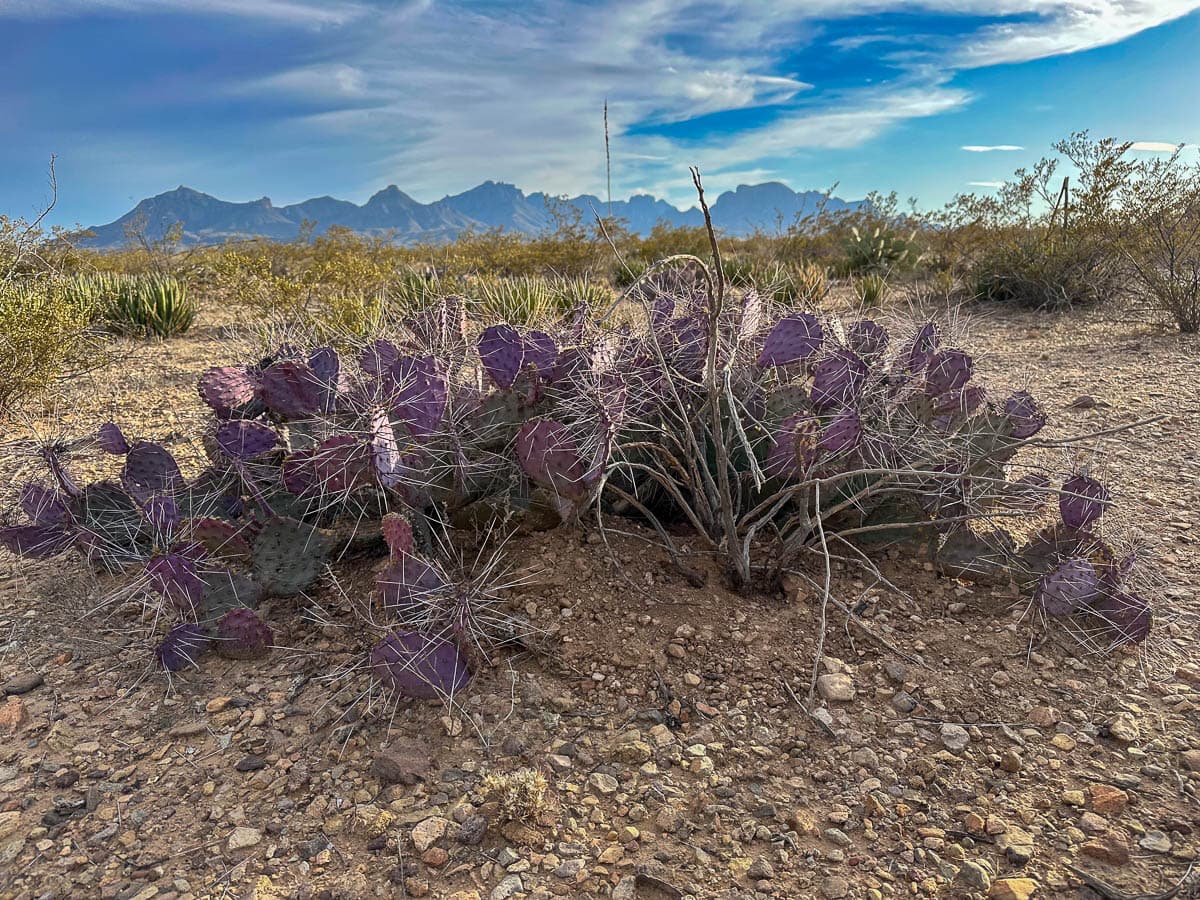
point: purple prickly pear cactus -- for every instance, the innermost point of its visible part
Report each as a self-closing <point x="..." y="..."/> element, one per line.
<point x="35" y="541"/>
<point x="917" y="352"/>
<point x="292" y="390"/>
<point x="843" y="434"/>
<point x="1073" y="583"/>
<point x="378" y="356"/>
<point x="174" y="577"/>
<point x="796" y="447"/>
<point x="1126" y="614"/>
<point x="406" y="584"/>
<point x="221" y="539"/>
<point x="948" y="372"/>
<point x="418" y="665"/>
<point x="385" y="450"/>
<point x="162" y="512"/>
<point x="540" y="352"/>
<point x="181" y="647"/>
<point x="110" y="439"/>
<point x="1024" y="415"/>
<point x="228" y="388"/>
<point x="241" y="634"/>
<point x="1082" y="501"/>
<point x="550" y="456"/>
<point x="502" y="353"/>
<point x="43" y="506"/>
<point x="837" y="379"/>
<point x="793" y="339"/>
<point x="244" y="439"/>
<point x="398" y="534"/>
<point x="335" y="466"/>
<point x="868" y="339"/>
<point x="417" y="394"/>
<point x="150" y="469"/>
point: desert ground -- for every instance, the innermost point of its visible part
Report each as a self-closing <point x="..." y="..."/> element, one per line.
<point x="964" y="753"/>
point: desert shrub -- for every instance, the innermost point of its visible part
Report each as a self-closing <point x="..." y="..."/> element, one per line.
<point x="523" y="300"/>
<point x="1160" y="238"/>
<point x="878" y="248"/>
<point x="1038" y="243"/>
<point x="45" y="332"/>
<point x="149" y="305"/>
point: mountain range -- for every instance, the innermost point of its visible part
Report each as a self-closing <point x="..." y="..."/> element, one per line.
<point x="393" y="213"/>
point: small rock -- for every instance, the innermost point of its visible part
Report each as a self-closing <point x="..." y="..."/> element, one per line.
<point x="955" y="738"/>
<point x="1073" y="798"/>
<point x="12" y="714"/>
<point x="217" y="704"/>
<point x="1107" y="800"/>
<point x="1191" y="760"/>
<point x="976" y="874"/>
<point x="760" y="869"/>
<point x="401" y="762"/>
<point x="9" y="822"/>
<point x="1010" y="761"/>
<point x="508" y="887"/>
<point x="1111" y="848"/>
<point x="428" y="832"/>
<point x="471" y="831"/>
<point x="243" y="837"/>
<point x="836" y="687"/>
<point x="1013" y="889"/>
<point x="834" y="887"/>
<point x="603" y="784"/>
<point x="903" y="702"/>
<point x="1124" y="728"/>
<point x="1044" y="716"/>
<point x="250" y="763"/>
<point x="1155" y="841"/>
<point x="23" y="684"/>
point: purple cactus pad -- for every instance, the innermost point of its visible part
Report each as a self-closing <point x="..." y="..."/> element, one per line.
<point x="181" y="647"/>
<point x="1071" y="584"/>
<point x="502" y="353"/>
<point x="1024" y="415"/>
<point x="793" y="339"/>
<point x="1126" y="614"/>
<point x="43" y="506"/>
<point x="35" y="541"/>
<point x="550" y="456"/>
<point x="244" y="439"/>
<point x="398" y="534"/>
<point x="1082" y="501"/>
<point x="837" y="379"/>
<point x="162" y="513"/>
<point x="292" y="390"/>
<point x="796" y="447"/>
<point x="241" y="634"/>
<point x="541" y="353"/>
<point x="110" y="439"/>
<point x="149" y="469"/>
<point x="227" y="388"/>
<point x="378" y="356"/>
<point x="174" y="577"/>
<point x="948" y="372"/>
<point x="419" y="665"/>
<point x="843" y="434"/>
<point x="417" y="394"/>
<point x="918" y="351"/>
<point x="868" y="339"/>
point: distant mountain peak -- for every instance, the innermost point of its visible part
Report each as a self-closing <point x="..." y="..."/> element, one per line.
<point x="392" y="213"/>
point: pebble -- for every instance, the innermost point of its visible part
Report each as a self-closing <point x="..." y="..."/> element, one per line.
<point x="1013" y="889"/>
<point x="23" y="684"/>
<point x="508" y="887"/>
<point x="1155" y="841"/>
<point x="954" y="737"/>
<point x="243" y="837"/>
<point x="1124" y="728"/>
<point x="603" y="784"/>
<point x="1107" y="800"/>
<point x="428" y="832"/>
<point x="834" y="887"/>
<point x="837" y="687"/>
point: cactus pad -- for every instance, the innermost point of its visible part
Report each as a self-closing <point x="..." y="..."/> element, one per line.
<point x="419" y="665"/>
<point x="796" y="447"/>
<point x="227" y="389"/>
<point x="241" y="634"/>
<point x="1024" y="415"/>
<point x="843" y="434"/>
<point x="549" y="455"/>
<point x="181" y="647"/>
<point x="35" y="541"/>
<point x="948" y="372"/>
<point x="502" y="353"/>
<point x="244" y="439"/>
<point x="837" y="379"/>
<point x="292" y="390"/>
<point x="868" y="339"/>
<point x="1127" y="615"/>
<point x="288" y="556"/>
<point x="174" y="577"/>
<point x="1082" y="501"/>
<point x="150" y="469"/>
<point x="110" y="439"/>
<point x="417" y="394"/>
<point x="793" y="339"/>
<point x="1073" y="583"/>
<point x="43" y="506"/>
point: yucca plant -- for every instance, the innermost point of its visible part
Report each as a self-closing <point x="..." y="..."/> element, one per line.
<point x="573" y="292"/>
<point x="518" y="301"/>
<point x="150" y="305"/>
<point x="871" y="290"/>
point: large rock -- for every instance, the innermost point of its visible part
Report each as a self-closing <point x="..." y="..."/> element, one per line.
<point x="428" y="832"/>
<point x="836" y="687"/>
<point x="1013" y="889"/>
<point x="401" y="762"/>
<point x="243" y="837"/>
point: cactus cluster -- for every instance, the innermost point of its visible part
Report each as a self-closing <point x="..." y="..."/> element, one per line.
<point x="741" y="419"/>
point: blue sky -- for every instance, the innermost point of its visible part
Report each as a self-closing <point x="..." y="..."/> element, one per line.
<point x="299" y="98"/>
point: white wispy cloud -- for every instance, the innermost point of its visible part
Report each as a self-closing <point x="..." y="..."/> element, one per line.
<point x="1154" y="146"/>
<point x="301" y="13"/>
<point x="991" y="148"/>
<point x="986" y="184"/>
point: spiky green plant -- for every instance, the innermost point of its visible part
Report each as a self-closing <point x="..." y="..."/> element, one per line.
<point x="148" y="305"/>
<point x="520" y="301"/>
<point x="871" y="290"/>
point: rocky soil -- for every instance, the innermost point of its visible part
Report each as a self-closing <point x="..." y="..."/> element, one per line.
<point x="652" y="742"/>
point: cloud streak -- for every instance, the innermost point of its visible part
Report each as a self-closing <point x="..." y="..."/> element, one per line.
<point x="994" y="148"/>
